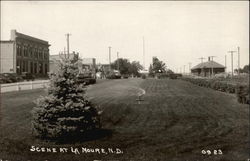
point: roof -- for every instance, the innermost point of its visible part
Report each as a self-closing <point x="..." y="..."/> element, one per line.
<point x="20" y="35"/>
<point x="6" y="41"/>
<point x="208" y="64"/>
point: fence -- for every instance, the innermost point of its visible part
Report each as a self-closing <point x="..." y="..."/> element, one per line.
<point x="24" y="86"/>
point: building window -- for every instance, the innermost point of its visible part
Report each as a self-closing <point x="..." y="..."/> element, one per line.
<point x="31" y="67"/>
<point x="31" y="52"/>
<point x="41" y="68"/>
<point x="18" y="50"/>
<point x="46" y="68"/>
<point x="18" y="67"/>
<point x="23" y="66"/>
<point x="35" y="67"/>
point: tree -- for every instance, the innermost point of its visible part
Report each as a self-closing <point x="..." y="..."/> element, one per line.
<point x="125" y="67"/>
<point x="65" y="111"/>
<point x="246" y="69"/>
<point x="158" y="66"/>
<point x="151" y="72"/>
<point x="135" y="67"/>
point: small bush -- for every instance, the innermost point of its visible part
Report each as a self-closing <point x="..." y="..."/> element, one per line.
<point x="242" y="91"/>
<point x="65" y="112"/>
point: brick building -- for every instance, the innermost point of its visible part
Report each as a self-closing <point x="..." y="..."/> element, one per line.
<point x="23" y="53"/>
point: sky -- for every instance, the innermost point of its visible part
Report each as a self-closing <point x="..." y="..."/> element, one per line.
<point x="177" y="32"/>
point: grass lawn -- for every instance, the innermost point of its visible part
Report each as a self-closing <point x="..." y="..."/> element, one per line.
<point x="176" y="121"/>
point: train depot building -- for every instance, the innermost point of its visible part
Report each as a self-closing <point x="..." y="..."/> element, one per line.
<point x="207" y="69"/>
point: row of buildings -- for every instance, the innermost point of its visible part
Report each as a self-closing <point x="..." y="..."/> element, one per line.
<point x="24" y="53"/>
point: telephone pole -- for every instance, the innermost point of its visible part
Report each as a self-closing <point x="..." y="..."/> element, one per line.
<point x="212" y="64"/>
<point x="110" y="58"/>
<point x="225" y="62"/>
<point x="143" y="52"/>
<point x="238" y="60"/>
<point x="189" y="64"/>
<point x="118" y="61"/>
<point x="68" y="43"/>
<point x="201" y="59"/>
<point x="232" y="61"/>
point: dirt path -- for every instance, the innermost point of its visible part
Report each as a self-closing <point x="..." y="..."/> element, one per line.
<point x="176" y="121"/>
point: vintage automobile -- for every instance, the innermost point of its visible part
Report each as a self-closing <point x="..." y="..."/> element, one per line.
<point x="86" y="78"/>
<point x="10" y="78"/>
<point x="28" y="76"/>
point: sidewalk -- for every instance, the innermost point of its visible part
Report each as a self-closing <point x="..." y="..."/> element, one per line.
<point x="28" y="85"/>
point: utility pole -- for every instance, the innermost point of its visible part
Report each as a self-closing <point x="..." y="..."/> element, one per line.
<point x="232" y="61"/>
<point x="68" y="43"/>
<point x="189" y="64"/>
<point x="143" y="52"/>
<point x="118" y="61"/>
<point x="110" y="58"/>
<point x="201" y="59"/>
<point x="238" y="60"/>
<point x="225" y="62"/>
<point x="212" y="64"/>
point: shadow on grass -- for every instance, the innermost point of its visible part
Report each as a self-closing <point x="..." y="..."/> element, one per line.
<point x="83" y="137"/>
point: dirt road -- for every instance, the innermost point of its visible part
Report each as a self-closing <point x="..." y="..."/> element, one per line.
<point x="176" y="120"/>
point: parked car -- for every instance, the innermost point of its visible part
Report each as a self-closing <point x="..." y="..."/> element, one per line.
<point x="115" y="74"/>
<point x="10" y="78"/>
<point x="28" y="76"/>
<point x="125" y="76"/>
<point x="86" y="78"/>
<point x="4" y="79"/>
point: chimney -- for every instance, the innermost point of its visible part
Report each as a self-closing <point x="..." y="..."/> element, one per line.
<point x="13" y="35"/>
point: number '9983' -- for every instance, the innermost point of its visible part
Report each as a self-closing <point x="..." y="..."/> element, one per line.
<point x="212" y="152"/>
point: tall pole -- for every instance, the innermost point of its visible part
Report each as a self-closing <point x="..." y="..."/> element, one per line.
<point x="109" y="57"/>
<point x="225" y="62"/>
<point x="238" y="60"/>
<point x="212" y="65"/>
<point x="232" y="61"/>
<point x="201" y="59"/>
<point x="118" y="61"/>
<point x="143" y="52"/>
<point x="189" y="64"/>
<point x="68" y="43"/>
